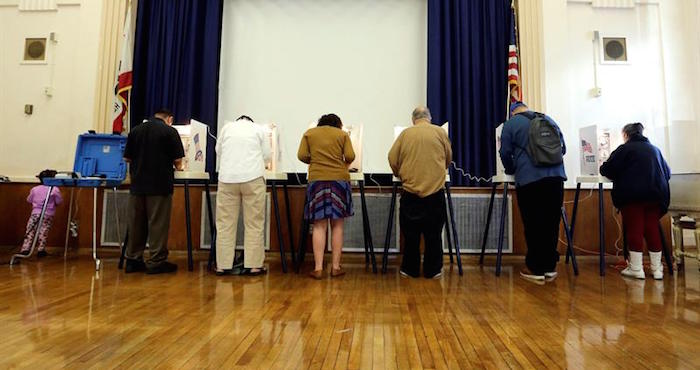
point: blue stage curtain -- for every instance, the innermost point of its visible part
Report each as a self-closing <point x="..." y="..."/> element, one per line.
<point x="467" y="78"/>
<point x="176" y="62"/>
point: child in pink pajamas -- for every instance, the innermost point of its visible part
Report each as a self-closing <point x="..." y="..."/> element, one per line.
<point x="36" y="198"/>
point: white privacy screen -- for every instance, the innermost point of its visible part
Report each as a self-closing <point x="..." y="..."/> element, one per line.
<point x="289" y="62"/>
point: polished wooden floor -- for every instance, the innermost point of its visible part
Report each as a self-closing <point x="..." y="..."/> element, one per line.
<point x="61" y="314"/>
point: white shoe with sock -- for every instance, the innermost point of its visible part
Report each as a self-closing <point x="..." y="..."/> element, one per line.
<point x="657" y="269"/>
<point x="634" y="266"/>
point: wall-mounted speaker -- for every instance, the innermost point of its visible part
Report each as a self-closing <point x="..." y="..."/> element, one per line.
<point x="615" y="49"/>
<point x="35" y="49"/>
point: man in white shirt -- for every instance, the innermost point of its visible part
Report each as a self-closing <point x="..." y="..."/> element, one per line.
<point x="242" y="149"/>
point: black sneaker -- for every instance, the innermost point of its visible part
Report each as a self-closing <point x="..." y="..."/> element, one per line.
<point x="134" y="266"/>
<point x="164" y="268"/>
<point x="41" y="254"/>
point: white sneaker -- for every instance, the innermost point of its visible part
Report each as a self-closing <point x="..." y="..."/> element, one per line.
<point x="436" y="276"/>
<point x="634" y="266"/>
<point x="657" y="269"/>
<point x="529" y="275"/>
<point x="551" y="275"/>
<point x="629" y="272"/>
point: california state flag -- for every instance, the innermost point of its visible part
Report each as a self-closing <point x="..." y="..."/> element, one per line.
<point x="122" y="84"/>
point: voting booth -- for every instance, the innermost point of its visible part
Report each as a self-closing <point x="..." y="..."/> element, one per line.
<point x="194" y="141"/>
<point x="596" y="145"/>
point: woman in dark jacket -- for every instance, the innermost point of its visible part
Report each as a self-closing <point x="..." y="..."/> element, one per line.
<point x="640" y="191"/>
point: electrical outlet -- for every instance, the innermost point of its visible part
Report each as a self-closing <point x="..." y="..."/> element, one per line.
<point x="28" y="109"/>
<point x="48" y="90"/>
<point x="596" y="92"/>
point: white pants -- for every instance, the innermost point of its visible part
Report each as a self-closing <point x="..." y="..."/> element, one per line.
<point x="229" y="198"/>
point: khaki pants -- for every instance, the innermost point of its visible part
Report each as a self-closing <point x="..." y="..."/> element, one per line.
<point x="149" y="221"/>
<point x="229" y="198"/>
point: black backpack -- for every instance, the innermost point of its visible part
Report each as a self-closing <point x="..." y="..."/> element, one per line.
<point x="544" y="147"/>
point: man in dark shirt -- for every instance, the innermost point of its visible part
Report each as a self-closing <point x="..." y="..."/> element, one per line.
<point x="154" y="150"/>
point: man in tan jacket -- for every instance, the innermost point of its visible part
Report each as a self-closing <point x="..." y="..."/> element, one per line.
<point x="419" y="157"/>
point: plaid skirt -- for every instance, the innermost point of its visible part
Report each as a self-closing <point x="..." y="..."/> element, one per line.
<point x="328" y="200"/>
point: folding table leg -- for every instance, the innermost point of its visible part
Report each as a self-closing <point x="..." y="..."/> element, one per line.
<point x="569" y="242"/>
<point x="188" y="226"/>
<point x="369" y="243"/>
<point x="289" y="223"/>
<point x="501" y="230"/>
<point x="123" y="251"/>
<point x="212" y="227"/>
<point x="36" y="232"/>
<point x="389" y="227"/>
<point x="98" y="263"/>
<point x="302" y="237"/>
<point x="455" y="238"/>
<point x="70" y="216"/>
<point x="278" y="221"/>
<point x="448" y="231"/>
<point x="488" y="223"/>
<point x="601" y="226"/>
<point x="573" y="215"/>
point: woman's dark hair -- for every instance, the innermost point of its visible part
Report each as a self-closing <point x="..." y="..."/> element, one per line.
<point x="633" y="129"/>
<point x="330" y="120"/>
<point x="244" y="117"/>
<point x="46" y="173"/>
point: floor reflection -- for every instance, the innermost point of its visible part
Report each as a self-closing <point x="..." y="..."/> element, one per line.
<point x="62" y="313"/>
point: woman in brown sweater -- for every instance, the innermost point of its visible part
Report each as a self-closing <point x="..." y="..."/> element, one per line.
<point x="328" y="152"/>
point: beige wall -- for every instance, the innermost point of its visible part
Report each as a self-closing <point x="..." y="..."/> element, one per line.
<point x="46" y="139"/>
<point x="656" y="87"/>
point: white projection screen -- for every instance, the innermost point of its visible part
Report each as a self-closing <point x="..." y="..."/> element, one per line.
<point x="289" y="62"/>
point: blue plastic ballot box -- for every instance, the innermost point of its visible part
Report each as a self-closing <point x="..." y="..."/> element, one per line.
<point x="99" y="161"/>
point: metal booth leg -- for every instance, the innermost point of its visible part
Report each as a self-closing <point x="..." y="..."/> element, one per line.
<point x="36" y="231"/>
<point x="188" y="226"/>
<point x="573" y="216"/>
<point x="70" y="216"/>
<point x="302" y="236"/>
<point x="369" y="243"/>
<point x="289" y="223"/>
<point x="94" y="230"/>
<point x="212" y="227"/>
<point x="278" y="221"/>
<point x="501" y="230"/>
<point x="454" y="229"/>
<point x="123" y="251"/>
<point x="601" y="226"/>
<point x="488" y="223"/>
<point x="569" y="242"/>
<point x="389" y="227"/>
<point x="448" y="231"/>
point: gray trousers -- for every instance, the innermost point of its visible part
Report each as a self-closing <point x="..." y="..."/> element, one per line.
<point x="149" y="221"/>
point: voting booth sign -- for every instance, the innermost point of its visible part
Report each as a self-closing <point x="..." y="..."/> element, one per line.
<point x="194" y="141"/>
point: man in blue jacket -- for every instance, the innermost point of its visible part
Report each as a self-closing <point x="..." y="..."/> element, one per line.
<point x="540" y="192"/>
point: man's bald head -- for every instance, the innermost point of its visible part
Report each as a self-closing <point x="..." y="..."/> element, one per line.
<point x="421" y="113"/>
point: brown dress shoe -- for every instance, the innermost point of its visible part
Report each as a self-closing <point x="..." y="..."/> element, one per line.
<point x="337" y="272"/>
<point x="316" y="274"/>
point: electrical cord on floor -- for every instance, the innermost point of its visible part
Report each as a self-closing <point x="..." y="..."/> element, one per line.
<point x="617" y="241"/>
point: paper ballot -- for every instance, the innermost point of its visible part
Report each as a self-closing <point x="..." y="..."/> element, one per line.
<point x="194" y="140"/>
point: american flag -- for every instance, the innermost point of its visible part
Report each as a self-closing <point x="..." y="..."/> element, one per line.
<point x="513" y="66"/>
